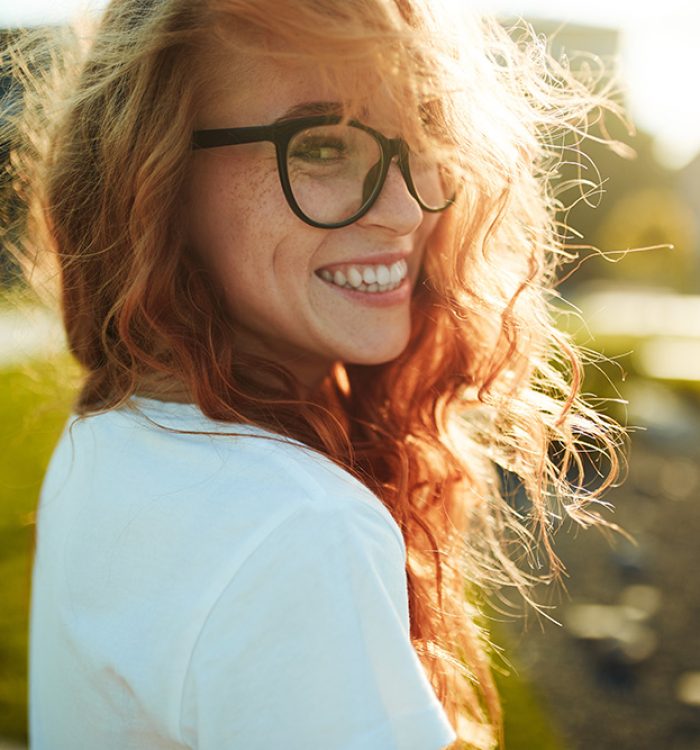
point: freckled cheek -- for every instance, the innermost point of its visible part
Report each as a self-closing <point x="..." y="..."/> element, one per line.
<point x="429" y="225"/>
<point x="267" y="249"/>
<point x="230" y="210"/>
<point x="255" y="244"/>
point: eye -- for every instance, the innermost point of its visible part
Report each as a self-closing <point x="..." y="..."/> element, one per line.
<point x="315" y="149"/>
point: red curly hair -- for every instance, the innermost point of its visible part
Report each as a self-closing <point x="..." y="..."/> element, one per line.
<point x="100" y="157"/>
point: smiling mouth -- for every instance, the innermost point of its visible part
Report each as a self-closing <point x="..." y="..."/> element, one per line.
<point x="367" y="278"/>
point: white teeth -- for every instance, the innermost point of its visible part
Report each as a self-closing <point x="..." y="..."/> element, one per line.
<point x="383" y="275"/>
<point x="372" y="279"/>
<point x="368" y="275"/>
<point x="373" y="288"/>
<point x="354" y="277"/>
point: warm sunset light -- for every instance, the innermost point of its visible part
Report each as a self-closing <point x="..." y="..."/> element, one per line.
<point x="349" y="431"/>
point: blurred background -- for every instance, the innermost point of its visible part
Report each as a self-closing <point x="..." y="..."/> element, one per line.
<point x="618" y="665"/>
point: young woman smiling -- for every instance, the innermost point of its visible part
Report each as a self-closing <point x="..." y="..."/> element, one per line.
<point x="304" y="254"/>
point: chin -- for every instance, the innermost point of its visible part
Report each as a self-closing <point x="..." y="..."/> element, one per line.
<point x="377" y="355"/>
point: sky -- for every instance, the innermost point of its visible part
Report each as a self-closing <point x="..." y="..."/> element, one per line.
<point x="658" y="58"/>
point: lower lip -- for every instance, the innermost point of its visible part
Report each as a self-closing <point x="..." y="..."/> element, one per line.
<point x="375" y="299"/>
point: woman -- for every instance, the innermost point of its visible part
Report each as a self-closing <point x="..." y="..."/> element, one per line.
<point x="304" y="255"/>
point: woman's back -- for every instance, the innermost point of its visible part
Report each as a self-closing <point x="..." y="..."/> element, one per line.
<point x="211" y="591"/>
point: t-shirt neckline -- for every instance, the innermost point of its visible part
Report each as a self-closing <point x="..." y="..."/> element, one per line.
<point x="187" y="415"/>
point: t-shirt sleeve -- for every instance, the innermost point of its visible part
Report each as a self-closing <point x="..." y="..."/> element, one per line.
<point x="308" y="646"/>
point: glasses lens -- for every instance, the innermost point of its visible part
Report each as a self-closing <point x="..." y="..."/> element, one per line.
<point x="333" y="170"/>
<point x="434" y="183"/>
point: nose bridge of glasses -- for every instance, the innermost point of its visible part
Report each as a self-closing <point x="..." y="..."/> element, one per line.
<point x="379" y="171"/>
<point x="394" y="148"/>
<point x="398" y="150"/>
<point x="374" y="187"/>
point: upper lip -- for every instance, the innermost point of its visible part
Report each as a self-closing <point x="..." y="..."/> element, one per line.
<point x="374" y="259"/>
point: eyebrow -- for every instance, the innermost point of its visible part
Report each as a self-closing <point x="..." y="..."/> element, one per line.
<point x="305" y="109"/>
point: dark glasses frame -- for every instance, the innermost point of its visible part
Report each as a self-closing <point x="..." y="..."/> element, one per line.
<point x="281" y="133"/>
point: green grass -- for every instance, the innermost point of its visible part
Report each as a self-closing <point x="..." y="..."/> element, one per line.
<point x="34" y="404"/>
<point x="527" y="726"/>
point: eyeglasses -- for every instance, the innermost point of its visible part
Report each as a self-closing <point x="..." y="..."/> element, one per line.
<point x="332" y="172"/>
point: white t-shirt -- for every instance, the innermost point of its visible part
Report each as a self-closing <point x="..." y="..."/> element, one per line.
<point x="213" y="592"/>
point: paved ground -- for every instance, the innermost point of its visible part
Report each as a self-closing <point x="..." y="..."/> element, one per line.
<point x="622" y="672"/>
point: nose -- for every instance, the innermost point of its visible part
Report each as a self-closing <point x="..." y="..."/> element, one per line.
<point x="395" y="209"/>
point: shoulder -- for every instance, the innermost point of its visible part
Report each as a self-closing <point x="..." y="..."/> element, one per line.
<point x="313" y="627"/>
<point x="173" y="450"/>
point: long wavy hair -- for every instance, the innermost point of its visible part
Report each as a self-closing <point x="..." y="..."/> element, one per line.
<point x="487" y="387"/>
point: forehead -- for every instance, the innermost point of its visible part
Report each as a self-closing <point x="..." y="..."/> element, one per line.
<point x="240" y="90"/>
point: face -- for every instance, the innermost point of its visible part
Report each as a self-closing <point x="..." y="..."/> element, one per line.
<point x="278" y="272"/>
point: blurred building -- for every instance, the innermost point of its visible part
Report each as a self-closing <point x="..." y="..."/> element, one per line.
<point x="689" y="188"/>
